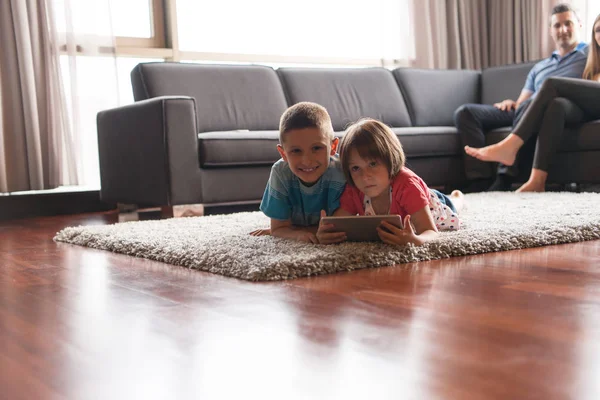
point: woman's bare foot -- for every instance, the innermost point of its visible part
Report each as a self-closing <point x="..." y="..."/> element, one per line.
<point x="504" y="152"/>
<point x="531" y="187"/>
<point x="536" y="182"/>
<point x="458" y="199"/>
<point x="494" y="152"/>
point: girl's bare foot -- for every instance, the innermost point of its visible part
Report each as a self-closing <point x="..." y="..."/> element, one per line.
<point x="458" y="199"/>
<point x="495" y="152"/>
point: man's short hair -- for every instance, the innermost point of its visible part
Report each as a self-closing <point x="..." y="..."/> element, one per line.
<point x="305" y="115"/>
<point x="562" y="8"/>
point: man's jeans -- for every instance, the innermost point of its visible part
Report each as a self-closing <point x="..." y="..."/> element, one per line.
<point x="472" y="122"/>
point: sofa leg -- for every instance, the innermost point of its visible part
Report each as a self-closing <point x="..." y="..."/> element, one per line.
<point x="166" y="212"/>
<point x="131" y="212"/>
<point x="128" y="212"/>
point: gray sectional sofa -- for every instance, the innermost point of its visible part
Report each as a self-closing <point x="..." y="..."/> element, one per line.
<point x="208" y="133"/>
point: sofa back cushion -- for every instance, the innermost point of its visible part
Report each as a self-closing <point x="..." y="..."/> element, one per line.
<point x="348" y="94"/>
<point x="228" y="97"/>
<point x="432" y="96"/>
<point x="505" y="82"/>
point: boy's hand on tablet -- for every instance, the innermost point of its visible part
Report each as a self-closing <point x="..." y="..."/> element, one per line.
<point x="307" y="237"/>
<point x="325" y="233"/>
<point x="391" y="234"/>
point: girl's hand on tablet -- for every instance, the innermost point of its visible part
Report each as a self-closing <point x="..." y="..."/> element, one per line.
<point x="391" y="234"/>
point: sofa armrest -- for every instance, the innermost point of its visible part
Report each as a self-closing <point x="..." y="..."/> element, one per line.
<point x="148" y="151"/>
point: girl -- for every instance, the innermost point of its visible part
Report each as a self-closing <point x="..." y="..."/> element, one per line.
<point x="560" y="101"/>
<point x="378" y="183"/>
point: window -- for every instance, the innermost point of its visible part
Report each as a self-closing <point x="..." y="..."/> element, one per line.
<point x="99" y="83"/>
<point x="126" y="26"/>
<point x="592" y="10"/>
<point x="94" y="79"/>
<point x="340" y="33"/>
<point x="336" y="31"/>
<point x="133" y="22"/>
<point x="588" y="10"/>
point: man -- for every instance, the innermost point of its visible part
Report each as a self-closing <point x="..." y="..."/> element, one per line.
<point x="474" y="120"/>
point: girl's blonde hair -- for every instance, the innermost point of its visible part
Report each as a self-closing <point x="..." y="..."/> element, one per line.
<point x="374" y="141"/>
<point x="592" y="66"/>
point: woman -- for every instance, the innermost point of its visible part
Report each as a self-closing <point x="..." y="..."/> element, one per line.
<point x="560" y="101"/>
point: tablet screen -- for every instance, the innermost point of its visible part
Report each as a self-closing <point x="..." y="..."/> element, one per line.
<point x="361" y="228"/>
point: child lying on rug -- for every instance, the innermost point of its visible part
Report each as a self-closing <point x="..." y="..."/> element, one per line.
<point x="308" y="177"/>
<point x="378" y="183"/>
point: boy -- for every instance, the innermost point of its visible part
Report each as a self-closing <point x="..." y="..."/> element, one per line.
<point x="308" y="178"/>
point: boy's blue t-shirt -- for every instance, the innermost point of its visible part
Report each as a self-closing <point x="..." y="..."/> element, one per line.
<point x="286" y="197"/>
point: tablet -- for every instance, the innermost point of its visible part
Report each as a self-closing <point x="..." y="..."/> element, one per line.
<point x="361" y="228"/>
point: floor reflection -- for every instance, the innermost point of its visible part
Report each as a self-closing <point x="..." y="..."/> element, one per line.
<point x="94" y="324"/>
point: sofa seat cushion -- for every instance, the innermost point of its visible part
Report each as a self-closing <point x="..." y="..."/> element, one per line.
<point x="585" y="138"/>
<point x="235" y="148"/>
<point x="429" y="141"/>
<point x="496" y="135"/>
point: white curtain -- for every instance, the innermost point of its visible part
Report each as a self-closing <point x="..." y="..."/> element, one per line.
<point x="89" y="69"/>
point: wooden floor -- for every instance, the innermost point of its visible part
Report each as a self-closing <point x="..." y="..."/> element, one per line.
<point x="77" y="323"/>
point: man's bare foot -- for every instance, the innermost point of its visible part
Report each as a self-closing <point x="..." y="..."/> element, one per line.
<point x="261" y="232"/>
<point x="532" y="186"/>
<point x="495" y="152"/>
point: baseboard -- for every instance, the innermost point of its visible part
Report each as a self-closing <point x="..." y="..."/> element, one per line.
<point x="25" y="205"/>
<point x="229" y="208"/>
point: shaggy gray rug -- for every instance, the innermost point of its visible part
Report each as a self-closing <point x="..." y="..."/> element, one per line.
<point x="221" y="244"/>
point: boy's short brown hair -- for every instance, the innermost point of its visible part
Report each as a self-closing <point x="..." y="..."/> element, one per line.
<point x="373" y="140"/>
<point x="305" y="115"/>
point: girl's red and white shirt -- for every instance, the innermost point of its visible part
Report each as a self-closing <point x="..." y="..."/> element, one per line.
<point x="408" y="194"/>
